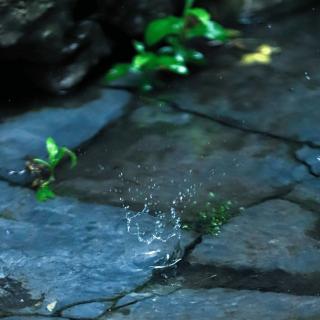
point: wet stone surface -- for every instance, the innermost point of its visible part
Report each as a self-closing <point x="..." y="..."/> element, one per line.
<point x="280" y="98"/>
<point x="70" y="252"/>
<point x="306" y="194"/>
<point x="222" y="304"/>
<point x="270" y="236"/>
<point x="86" y="311"/>
<point x="311" y="157"/>
<point x="166" y="159"/>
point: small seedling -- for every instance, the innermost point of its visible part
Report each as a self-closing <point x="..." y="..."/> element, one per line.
<point x="46" y="168"/>
<point x="165" y="44"/>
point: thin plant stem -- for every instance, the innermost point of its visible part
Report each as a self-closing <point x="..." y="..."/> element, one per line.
<point x="188" y="5"/>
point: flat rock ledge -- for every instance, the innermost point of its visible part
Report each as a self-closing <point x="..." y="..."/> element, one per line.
<point x="216" y="304"/>
<point x="63" y="256"/>
<point x="24" y="136"/>
<point x="274" y="235"/>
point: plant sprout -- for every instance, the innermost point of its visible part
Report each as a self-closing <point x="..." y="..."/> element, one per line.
<point x="55" y="155"/>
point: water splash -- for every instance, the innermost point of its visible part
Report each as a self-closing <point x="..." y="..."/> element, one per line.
<point x="163" y="227"/>
<point x="157" y="223"/>
<point x="151" y="224"/>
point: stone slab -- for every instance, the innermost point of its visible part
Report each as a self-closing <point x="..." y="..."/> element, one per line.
<point x="310" y="156"/>
<point x="221" y="304"/>
<point x="64" y="252"/>
<point x="86" y="311"/>
<point x="168" y="159"/>
<point x="274" y="235"/>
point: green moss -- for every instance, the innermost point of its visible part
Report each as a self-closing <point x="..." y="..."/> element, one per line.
<point x="210" y="219"/>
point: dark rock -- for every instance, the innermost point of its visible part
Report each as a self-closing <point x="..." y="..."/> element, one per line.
<point x="89" y="46"/>
<point x="249" y="11"/>
<point x="19" y="16"/>
<point x="267" y="237"/>
<point x="132" y="16"/>
<point x="54" y="50"/>
<point x="221" y="304"/>
<point x="24" y="136"/>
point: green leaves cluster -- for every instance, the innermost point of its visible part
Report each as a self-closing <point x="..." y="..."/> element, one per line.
<point x="196" y="22"/>
<point x="145" y="61"/>
<point x="165" y="41"/>
<point x="55" y="155"/>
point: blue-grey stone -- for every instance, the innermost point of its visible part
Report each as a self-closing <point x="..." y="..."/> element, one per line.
<point x="270" y="236"/>
<point x="221" y="304"/>
<point x="66" y="252"/>
<point x="311" y="156"/>
<point x="24" y="136"/>
<point x="132" y="298"/>
<point x="307" y="193"/>
<point x="86" y="311"/>
<point x="32" y="318"/>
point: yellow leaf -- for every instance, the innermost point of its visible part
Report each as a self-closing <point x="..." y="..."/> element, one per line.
<point x="263" y="55"/>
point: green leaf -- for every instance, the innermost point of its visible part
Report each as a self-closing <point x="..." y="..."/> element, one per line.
<point x="58" y="157"/>
<point x="72" y="156"/>
<point x="172" y="64"/>
<point x="189" y="55"/>
<point x="158" y="29"/>
<point x="179" y="69"/>
<point x="139" y="46"/>
<point x="117" y="71"/>
<point x="195" y="56"/>
<point x="188" y="5"/>
<point x="53" y="150"/>
<point x="210" y="30"/>
<point x="152" y="62"/>
<point x="200" y="13"/>
<point x="44" y="193"/>
<point x="143" y="59"/>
